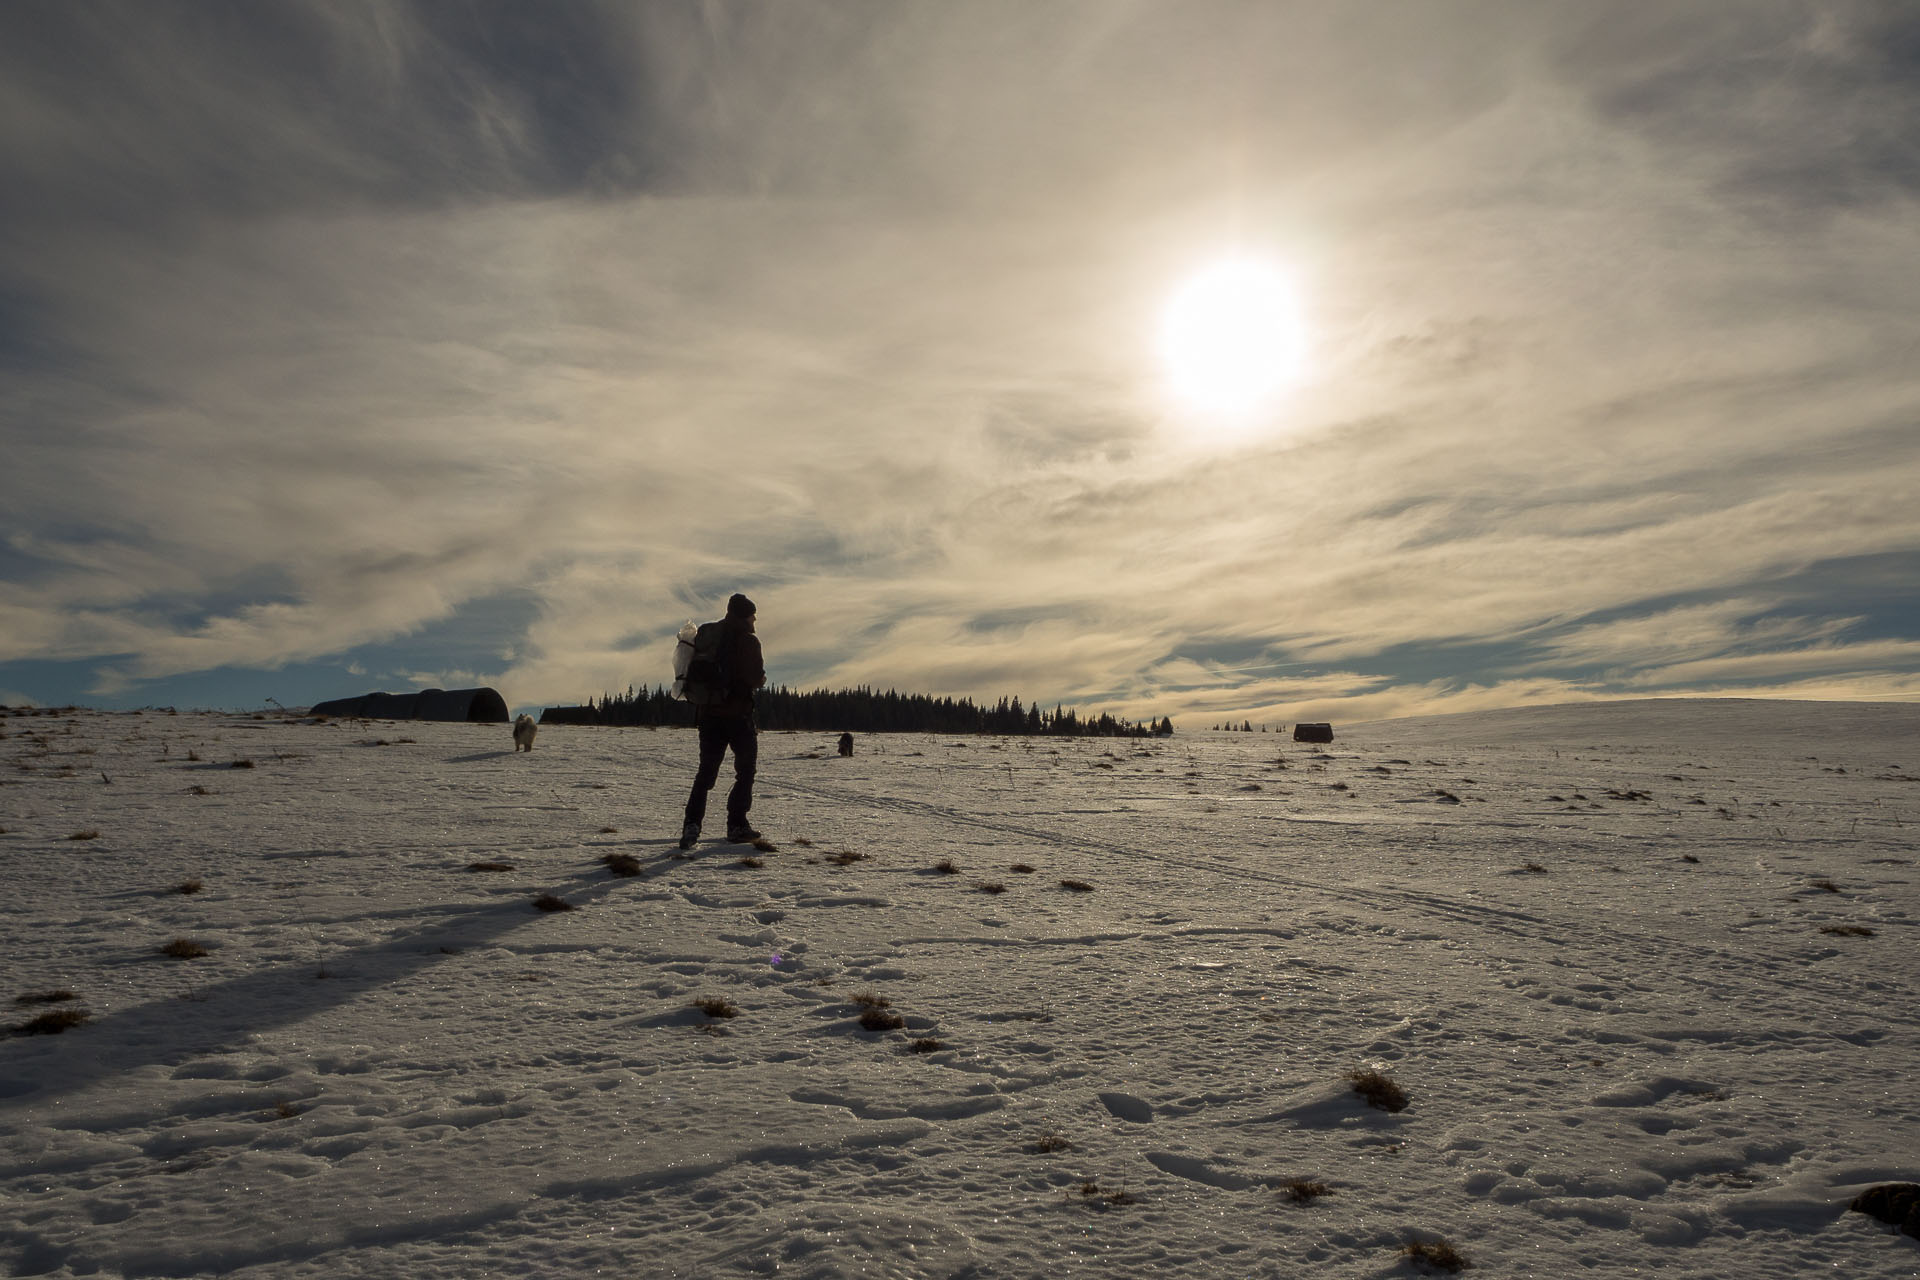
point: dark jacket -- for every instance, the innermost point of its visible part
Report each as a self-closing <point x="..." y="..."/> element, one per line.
<point x="745" y="671"/>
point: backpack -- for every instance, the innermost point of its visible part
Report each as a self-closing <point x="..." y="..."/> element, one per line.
<point x="699" y="676"/>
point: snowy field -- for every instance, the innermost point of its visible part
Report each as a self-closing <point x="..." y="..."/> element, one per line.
<point x="1646" y="974"/>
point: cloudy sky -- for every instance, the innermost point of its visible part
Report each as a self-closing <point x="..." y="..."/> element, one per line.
<point x="360" y="344"/>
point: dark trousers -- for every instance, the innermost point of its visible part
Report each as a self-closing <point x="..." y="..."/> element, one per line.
<point x="717" y="734"/>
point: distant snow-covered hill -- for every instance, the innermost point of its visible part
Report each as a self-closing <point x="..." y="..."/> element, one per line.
<point x="1752" y="722"/>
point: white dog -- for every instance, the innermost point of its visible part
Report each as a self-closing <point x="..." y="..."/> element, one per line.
<point x="523" y="730"/>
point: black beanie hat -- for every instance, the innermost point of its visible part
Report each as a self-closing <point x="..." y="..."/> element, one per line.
<point x="738" y="606"/>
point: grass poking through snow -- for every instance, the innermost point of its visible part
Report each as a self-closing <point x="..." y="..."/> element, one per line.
<point x="1441" y="1255"/>
<point x="1301" y="1191"/>
<point x="876" y="1012"/>
<point x="1378" y="1089"/>
<point x="621" y="864"/>
<point x="52" y="1022"/>
<point x="183" y="949"/>
<point x="548" y="902"/>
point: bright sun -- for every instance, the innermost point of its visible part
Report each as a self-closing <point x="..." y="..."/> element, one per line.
<point x="1231" y="337"/>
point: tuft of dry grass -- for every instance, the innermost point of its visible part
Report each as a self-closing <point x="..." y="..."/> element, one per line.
<point x="1048" y="1143"/>
<point x="1532" y="869"/>
<point x="548" y="902"/>
<point x="621" y="864"/>
<point x="715" y="1007"/>
<point x="926" y="1044"/>
<point x="803" y="842"/>
<point x="991" y="886"/>
<point x="870" y="1000"/>
<point x="946" y="867"/>
<point x="489" y="866"/>
<point x="183" y="949"/>
<point x="749" y="861"/>
<point x="1827" y="885"/>
<point x="188" y="886"/>
<point x="1847" y="930"/>
<point x="45" y="997"/>
<point x="1021" y="868"/>
<point x="609" y="831"/>
<point x="879" y="1018"/>
<point x="1441" y="1255"/>
<point x="1378" y="1088"/>
<point x="1091" y="1190"/>
<point x="285" y="1111"/>
<point x="88" y="834"/>
<point x="765" y="845"/>
<point x="845" y="858"/>
<point x="242" y="764"/>
<point x="1302" y="1191"/>
<point x="1078" y="886"/>
<point x="52" y="1022"/>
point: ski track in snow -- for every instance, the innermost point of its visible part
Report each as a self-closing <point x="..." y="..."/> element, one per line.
<point x="1617" y="1058"/>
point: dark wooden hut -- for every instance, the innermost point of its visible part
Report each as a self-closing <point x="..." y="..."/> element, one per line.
<point x="473" y="706"/>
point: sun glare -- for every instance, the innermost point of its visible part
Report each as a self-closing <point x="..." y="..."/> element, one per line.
<point x="1231" y="337"/>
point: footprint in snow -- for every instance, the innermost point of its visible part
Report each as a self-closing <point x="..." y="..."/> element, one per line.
<point x="1125" y="1106"/>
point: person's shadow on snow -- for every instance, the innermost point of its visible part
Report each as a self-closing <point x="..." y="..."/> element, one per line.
<point x="220" y="1011"/>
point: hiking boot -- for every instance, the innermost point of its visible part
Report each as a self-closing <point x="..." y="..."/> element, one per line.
<point x="741" y="833"/>
<point x="688" y="834"/>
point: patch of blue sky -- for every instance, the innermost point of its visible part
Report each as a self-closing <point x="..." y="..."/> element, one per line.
<point x="480" y="637"/>
<point x="1235" y="657"/>
<point x="996" y="620"/>
<point x="27" y="333"/>
<point x="76" y="683"/>
<point x="1882" y="592"/>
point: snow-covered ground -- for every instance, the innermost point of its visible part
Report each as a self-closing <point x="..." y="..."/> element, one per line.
<point x="1594" y="945"/>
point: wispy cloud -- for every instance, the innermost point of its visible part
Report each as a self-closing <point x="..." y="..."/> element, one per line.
<point x="320" y="324"/>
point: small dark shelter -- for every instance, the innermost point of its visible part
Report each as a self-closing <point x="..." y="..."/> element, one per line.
<point x="473" y="706"/>
<point x="570" y="715"/>
<point x="1313" y="733"/>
